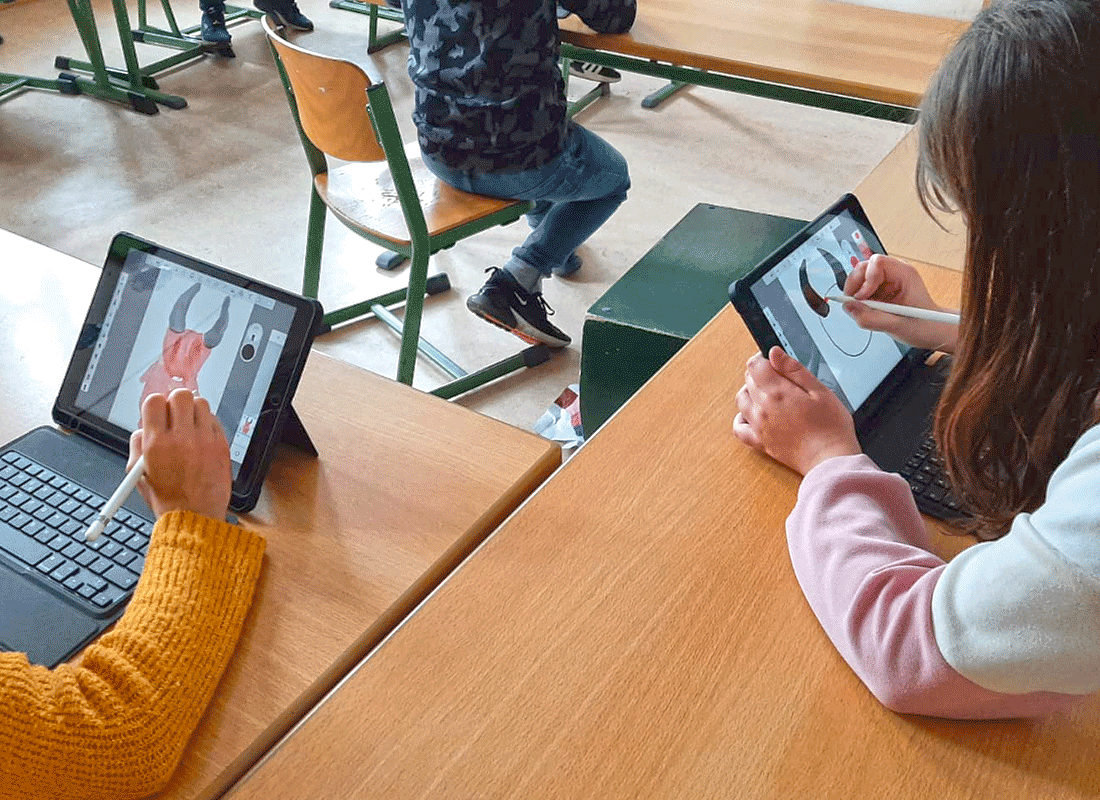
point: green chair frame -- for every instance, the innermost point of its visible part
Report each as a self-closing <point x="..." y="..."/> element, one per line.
<point x="422" y="244"/>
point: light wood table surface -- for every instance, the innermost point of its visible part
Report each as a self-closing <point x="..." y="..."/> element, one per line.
<point x="889" y="196"/>
<point x="869" y="53"/>
<point x="405" y="486"/>
<point x="635" y="630"/>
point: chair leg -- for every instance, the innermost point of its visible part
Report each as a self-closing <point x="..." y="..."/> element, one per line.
<point x="414" y="310"/>
<point x="528" y="357"/>
<point x="315" y="240"/>
<point x="389" y="260"/>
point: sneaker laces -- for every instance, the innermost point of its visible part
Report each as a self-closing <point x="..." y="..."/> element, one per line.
<point x="539" y="299"/>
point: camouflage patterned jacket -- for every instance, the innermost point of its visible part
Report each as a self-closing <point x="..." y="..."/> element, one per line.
<point x="489" y="91"/>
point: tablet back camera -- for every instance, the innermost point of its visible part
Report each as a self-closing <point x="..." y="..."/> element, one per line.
<point x="251" y="342"/>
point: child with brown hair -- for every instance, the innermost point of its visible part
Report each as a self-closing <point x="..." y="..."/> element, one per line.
<point x="1009" y="135"/>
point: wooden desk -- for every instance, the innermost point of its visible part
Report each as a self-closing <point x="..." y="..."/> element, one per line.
<point x="889" y="196"/>
<point x="635" y="631"/>
<point x="406" y="485"/>
<point x="856" y="51"/>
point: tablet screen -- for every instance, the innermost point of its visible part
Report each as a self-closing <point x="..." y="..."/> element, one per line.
<point x="846" y="358"/>
<point x="167" y="327"/>
<point x="161" y="320"/>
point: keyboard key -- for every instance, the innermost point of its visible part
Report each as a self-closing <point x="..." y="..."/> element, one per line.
<point x="32" y="468"/>
<point x="86" y="591"/>
<point x="100" y="565"/>
<point x="8" y="472"/>
<point x="50" y="563"/>
<point x="56" y="498"/>
<point x="121" y="577"/>
<point x="64" y="572"/>
<point x="124" y="557"/>
<point x="73" y="582"/>
<point x="86" y="557"/>
<point x="83" y="495"/>
<point x="7" y="512"/>
<point x="10" y="456"/>
<point x="72" y="550"/>
<point x="138" y="564"/>
<point x="58" y="542"/>
<point x="19" y="520"/>
<point x="83" y="513"/>
<point x="107" y="597"/>
<point x="70" y="528"/>
<point x="42" y="493"/>
<point x="110" y="550"/>
<point x="58" y="482"/>
<point x="137" y="541"/>
<point x="70" y="488"/>
<point x="44" y="535"/>
<point x="20" y="462"/>
<point x="7" y="491"/>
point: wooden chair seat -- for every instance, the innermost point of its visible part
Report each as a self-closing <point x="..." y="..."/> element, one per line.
<point x="362" y="195"/>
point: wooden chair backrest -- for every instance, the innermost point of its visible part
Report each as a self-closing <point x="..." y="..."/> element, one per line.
<point x="331" y="95"/>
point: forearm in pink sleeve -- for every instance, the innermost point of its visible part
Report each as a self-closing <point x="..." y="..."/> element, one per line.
<point x="857" y="544"/>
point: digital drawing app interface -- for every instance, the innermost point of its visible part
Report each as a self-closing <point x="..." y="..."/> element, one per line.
<point x="168" y="326"/>
<point x="843" y="356"/>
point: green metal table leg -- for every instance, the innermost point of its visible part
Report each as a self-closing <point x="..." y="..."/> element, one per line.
<point x="588" y="98"/>
<point x="656" y="98"/>
<point x="375" y="42"/>
<point x="12" y="85"/>
<point x="130" y="86"/>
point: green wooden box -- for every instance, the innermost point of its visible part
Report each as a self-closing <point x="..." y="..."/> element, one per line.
<point x="666" y="298"/>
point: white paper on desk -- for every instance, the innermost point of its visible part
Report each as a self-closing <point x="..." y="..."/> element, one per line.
<point x="562" y="421"/>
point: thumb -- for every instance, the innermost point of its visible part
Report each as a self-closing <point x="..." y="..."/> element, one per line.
<point x="791" y="369"/>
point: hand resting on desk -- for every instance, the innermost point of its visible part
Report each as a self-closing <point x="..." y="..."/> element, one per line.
<point x="787" y="413"/>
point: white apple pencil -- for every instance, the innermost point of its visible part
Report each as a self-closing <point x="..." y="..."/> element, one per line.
<point x="111" y="507"/>
<point x="901" y="311"/>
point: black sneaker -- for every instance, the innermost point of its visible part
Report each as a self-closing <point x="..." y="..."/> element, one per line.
<point x="213" y="29"/>
<point x="286" y="13"/>
<point x="506" y="304"/>
<point x="594" y="72"/>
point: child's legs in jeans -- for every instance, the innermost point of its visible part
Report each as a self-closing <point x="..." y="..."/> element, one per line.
<point x="575" y="194"/>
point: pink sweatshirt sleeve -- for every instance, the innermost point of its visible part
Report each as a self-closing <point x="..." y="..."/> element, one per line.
<point x="858" y="547"/>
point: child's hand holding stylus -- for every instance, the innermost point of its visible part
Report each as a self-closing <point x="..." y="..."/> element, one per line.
<point x="891" y="280"/>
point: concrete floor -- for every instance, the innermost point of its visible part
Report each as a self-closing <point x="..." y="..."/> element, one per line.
<point x="225" y="180"/>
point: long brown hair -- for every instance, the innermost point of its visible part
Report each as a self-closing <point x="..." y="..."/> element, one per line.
<point x="1009" y="135"/>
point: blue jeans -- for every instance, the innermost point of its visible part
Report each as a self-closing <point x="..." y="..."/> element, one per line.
<point x="574" y="195"/>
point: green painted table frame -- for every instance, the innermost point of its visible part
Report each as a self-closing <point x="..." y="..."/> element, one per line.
<point x="679" y="77"/>
<point x="135" y="85"/>
<point x="130" y="86"/>
<point x="375" y="13"/>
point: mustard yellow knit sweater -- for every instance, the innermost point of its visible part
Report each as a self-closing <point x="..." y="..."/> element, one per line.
<point x="115" y="725"/>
